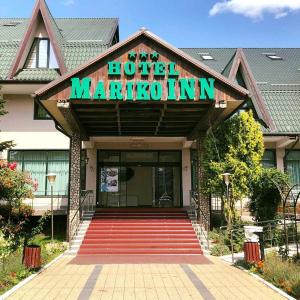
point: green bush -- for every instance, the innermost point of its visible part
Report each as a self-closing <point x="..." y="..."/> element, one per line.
<point x="265" y="197"/>
<point x="219" y="250"/>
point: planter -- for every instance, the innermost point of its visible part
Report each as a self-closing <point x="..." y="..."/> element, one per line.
<point x="32" y="257"/>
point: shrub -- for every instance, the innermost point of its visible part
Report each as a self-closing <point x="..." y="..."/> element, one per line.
<point x="219" y="250"/>
<point x="265" y="196"/>
<point x="283" y="273"/>
<point x="53" y="248"/>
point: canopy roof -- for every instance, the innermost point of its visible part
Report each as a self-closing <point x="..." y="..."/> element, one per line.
<point x="140" y="118"/>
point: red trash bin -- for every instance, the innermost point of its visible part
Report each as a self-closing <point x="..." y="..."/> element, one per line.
<point x="32" y="257"/>
<point x="251" y="252"/>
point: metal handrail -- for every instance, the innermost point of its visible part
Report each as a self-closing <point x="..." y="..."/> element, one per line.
<point x="78" y="216"/>
<point x="195" y="207"/>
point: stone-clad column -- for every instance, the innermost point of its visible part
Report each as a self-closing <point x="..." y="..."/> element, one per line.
<point x="203" y="200"/>
<point x="74" y="184"/>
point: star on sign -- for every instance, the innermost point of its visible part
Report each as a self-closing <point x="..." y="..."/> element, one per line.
<point x="143" y="55"/>
<point x="154" y="55"/>
<point x="132" y="55"/>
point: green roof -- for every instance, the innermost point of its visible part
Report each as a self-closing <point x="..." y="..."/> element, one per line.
<point x="79" y="39"/>
<point x="278" y="80"/>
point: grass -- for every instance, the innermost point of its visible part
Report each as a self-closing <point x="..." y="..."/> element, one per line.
<point x="13" y="271"/>
<point x="284" y="274"/>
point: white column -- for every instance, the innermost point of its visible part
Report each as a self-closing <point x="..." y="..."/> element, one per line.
<point x="280" y="152"/>
<point x="186" y="176"/>
<point x="91" y="171"/>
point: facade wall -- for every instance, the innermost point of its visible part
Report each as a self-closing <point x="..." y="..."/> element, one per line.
<point x="29" y="134"/>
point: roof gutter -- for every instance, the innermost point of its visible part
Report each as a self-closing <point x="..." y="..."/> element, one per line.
<point x="290" y="134"/>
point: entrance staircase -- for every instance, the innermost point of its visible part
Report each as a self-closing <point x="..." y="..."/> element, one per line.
<point x="140" y="231"/>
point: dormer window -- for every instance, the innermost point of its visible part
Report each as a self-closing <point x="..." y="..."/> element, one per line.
<point x="41" y="55"/>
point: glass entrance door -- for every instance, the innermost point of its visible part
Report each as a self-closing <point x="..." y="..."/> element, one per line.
<point x="167" y="187"/>
<point x="130" y="183"/>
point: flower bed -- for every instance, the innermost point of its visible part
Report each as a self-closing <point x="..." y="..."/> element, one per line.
<point x="13" y="271"/>
<point x="284" y="274"/>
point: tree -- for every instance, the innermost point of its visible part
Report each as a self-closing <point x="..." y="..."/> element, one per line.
<point x="5" y="144"/>
<point x="235" y="146"/>
<point x="265" y="196"/>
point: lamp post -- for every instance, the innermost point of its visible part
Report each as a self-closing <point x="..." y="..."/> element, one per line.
<point x="226" y="178"/>
<point x="51" y="178"/>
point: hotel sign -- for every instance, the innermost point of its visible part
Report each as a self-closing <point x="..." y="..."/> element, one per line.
<point x="122" y="83"/>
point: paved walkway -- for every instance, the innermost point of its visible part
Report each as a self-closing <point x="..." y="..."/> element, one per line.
<point x="144" y="281"/>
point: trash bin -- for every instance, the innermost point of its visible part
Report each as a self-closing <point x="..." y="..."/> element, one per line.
<point x="251" y="245"/>
<point x="251" y="252"/>
<point x="32" y="257"/>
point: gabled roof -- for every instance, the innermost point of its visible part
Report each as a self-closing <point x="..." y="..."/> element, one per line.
<point x="78" y="40"/>
<point x="55" y="36"/>
<point x="278" y="81"/>
<point x="240" y="63"/>
<point x="151" y="36"/>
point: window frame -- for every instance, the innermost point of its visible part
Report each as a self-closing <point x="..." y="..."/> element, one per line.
<point x="275" y="157"/>
<point x="36" y="107"/>
<point x="36" y="42"/>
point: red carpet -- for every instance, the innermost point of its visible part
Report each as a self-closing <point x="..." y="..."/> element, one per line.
<point x="140" y="236"/>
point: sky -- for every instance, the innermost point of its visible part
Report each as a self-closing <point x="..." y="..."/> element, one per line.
<point x="187" y="23"/>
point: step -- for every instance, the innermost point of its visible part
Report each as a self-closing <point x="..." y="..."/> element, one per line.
<point x="139" y="227"/>
<point x="126" y="221"/>
<point x="141" y="246"/>
<point x="136" y="235"/>
<point x="140" y="240"/>
<point x="139" y="251"/>
<point x="140" y="210"/>
<point x="142" y="214"/>
<point x="140" y="231"/>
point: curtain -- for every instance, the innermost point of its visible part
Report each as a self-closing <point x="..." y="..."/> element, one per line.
<point x="58" y="163"/>
<point x="293" y="166"/>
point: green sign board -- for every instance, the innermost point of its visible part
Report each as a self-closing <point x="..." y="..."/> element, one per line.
<point x="165" y="76"/>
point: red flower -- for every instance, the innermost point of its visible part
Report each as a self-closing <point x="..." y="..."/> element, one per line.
<point x="35" y="185"/>
<point x="12" y="166"/>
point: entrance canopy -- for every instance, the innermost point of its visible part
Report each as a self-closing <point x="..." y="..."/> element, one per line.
<point x="142" y="86"/>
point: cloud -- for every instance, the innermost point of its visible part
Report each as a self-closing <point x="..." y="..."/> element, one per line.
<point x="255" y="9"/>
<point x="68" y="2"/>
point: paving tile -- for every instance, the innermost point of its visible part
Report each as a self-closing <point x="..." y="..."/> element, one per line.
<point x="144" y="281"/>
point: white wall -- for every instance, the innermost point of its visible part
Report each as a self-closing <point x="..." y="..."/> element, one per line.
<point x="19" y="125"/>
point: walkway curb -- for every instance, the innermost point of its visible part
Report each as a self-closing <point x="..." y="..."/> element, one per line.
<point x="268" y="284"/>
<point x="28" y="279"/>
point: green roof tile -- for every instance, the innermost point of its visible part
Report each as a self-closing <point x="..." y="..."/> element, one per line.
<point x="284" y="108"/>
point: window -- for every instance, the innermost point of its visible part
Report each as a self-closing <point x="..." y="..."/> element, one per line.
<point x="293" y="165"/>
<point x="269" y="159"/>
<point x="41" y="55"/>
<point x="273" y="56"/>
<point x="40" y="113"/>
<point x="206" y="56"/>
<point x="39" y="164"/>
